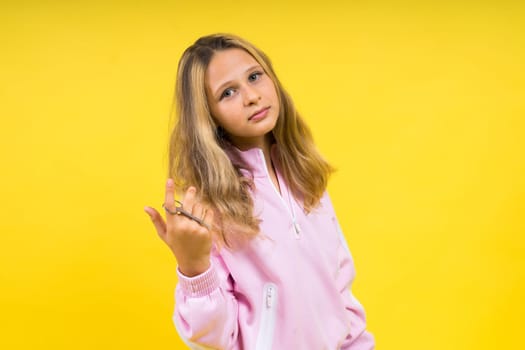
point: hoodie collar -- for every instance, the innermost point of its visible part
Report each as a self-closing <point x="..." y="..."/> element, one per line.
<point x="252" y="161"/>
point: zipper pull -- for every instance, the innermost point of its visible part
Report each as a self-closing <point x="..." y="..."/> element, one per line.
<point x="296" y="227"/>
<point x="269" y="297"/>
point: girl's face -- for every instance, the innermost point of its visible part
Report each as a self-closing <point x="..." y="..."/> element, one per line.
<point x="242" y="97"/>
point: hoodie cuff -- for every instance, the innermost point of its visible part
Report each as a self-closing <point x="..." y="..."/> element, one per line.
<point x="200" y="285"/>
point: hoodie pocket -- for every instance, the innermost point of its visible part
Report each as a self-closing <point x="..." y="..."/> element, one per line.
<point x="268" y="313"/>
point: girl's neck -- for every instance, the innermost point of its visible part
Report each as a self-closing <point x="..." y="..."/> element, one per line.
<point x="265" y="144"/>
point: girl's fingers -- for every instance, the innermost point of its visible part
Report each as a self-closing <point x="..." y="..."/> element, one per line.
<point x="189" y="203"/>
<point x="198" y="211"/>
<point x="157" y="220"/>
<point x="208" y="218"/>
<point x="169" y="201"/>
<point x="189" y="199"/>
<point x="193" y="206"/>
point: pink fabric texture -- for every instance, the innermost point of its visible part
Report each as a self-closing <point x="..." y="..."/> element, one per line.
<point x="287" y="289"/>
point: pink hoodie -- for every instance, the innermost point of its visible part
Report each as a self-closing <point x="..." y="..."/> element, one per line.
<point x="288" y="290"/>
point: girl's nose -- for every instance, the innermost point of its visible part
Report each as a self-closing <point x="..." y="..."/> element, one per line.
<point x="250" y="95"/>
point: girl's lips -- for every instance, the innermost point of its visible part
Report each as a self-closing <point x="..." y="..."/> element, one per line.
<point x="259" y="114"/>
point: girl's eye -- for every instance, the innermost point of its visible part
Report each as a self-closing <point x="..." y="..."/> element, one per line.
<point x="227" y="93"/>
<point x="254" y="76"/>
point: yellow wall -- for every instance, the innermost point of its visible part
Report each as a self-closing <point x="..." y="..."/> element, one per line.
<point x="421" y="108"/>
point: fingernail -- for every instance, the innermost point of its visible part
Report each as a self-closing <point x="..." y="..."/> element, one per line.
<point x="169" y="182"/>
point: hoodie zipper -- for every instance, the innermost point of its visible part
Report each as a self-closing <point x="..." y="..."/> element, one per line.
<point x="290" y="210"/>
<point x="267" y="325"/>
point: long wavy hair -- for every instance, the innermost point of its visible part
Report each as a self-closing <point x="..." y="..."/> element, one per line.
<point x="197" y="145"/>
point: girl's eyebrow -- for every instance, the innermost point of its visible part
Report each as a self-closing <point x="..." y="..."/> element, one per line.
<point x="217" y="91"/>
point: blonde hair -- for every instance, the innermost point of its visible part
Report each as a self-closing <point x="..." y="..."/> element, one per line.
<point x="197" y="146"/>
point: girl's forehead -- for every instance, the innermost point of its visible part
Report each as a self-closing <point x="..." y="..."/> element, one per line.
<point x="227" y="65"/>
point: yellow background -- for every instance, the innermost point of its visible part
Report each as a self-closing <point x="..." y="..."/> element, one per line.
<point x="420" y="107"/>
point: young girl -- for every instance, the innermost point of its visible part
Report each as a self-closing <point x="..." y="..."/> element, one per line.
<point x="262" y="263"/>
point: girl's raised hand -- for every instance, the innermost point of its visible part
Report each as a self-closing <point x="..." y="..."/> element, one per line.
<point x="189" y="241"/>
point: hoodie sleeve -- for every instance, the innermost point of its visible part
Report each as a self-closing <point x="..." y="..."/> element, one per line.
<point x="358" y="338"/>
<point x="205" y="308"/>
